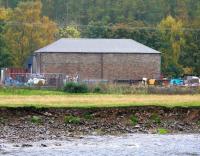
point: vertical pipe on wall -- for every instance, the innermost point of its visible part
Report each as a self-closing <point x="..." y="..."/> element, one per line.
<point x="102" y="76"/>
<point x="40" y="63"/>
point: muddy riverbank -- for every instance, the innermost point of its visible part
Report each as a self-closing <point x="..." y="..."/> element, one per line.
<point x="29" y="124"/>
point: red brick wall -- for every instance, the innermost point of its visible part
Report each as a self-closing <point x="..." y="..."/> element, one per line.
<point x="102" y="66"/>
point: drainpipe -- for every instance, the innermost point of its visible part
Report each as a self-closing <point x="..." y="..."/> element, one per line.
<point x="102" y="76"/>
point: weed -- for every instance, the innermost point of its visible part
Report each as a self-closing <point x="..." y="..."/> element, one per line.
<point x="198" y="122"/>
<point x="134" y="120"/>
<point x="72" y="120"/>
<point x="87" y="116"/>
<point x="162" y="131"/>
<point x="156" y="119"/>
<point x="36" y="119"/>
<point x="2" y="120"/>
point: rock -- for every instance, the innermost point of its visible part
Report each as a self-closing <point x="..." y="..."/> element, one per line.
<point x="27" y="145"/>
<point x="16" y="145"/>
<point x="43" y="145"/>
<point x="192" y="115"/>
<point x="58" y="144"/>
<point x="47" y="114"/>
<point x="180" y="128"/>
<point x="137" y="126"/>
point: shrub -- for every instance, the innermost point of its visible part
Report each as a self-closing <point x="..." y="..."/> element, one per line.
<point x="134" y="120"/>
<point x="72" y="120"/>
<point x="2" y="120"/>
<point x="73" y="87"/>
<point x="87" y="116"/>
<point x="162" y="131"/>
<point x="97" y="89"/>
<point x="36" y="119"/>
<point x="198" y="122"/>
<point x="155" y="118"/>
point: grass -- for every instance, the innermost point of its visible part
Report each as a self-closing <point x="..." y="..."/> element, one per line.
<point x="162" y="131"/>
<point x="12" y="97"/>
<point x="27" y="91"/>
<point x="98" y="100"/>
<point x="72" y="120"/>
<point x="155" y="118"/>
<point x="2" y="120"/>
<point x="36" y="119"/>
<point x="87" y="116"/>
<point x="134" y="120"/>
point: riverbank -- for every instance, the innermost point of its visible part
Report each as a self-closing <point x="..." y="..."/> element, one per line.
<point x="33" y="124"/>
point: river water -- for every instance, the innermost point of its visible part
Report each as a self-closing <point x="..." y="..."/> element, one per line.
<point x="126" y="145"/>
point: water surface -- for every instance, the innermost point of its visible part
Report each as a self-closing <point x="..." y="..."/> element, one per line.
<point x="128" y="145"/>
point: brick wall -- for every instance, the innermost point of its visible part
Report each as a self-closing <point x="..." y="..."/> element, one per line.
<point x="101" y="66"/>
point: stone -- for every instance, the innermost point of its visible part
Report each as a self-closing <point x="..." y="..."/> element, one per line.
<point x="27" y="145"/>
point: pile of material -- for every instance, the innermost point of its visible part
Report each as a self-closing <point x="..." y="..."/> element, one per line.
<point x="36" y="81"/>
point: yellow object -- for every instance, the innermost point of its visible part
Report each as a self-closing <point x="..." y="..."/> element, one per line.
<point x="152" y="81"/>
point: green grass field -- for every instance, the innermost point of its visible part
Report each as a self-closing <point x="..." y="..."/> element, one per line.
<point x="98" y="100"/>
<point x="27" y="92"/>
<point x="58" y="99"/>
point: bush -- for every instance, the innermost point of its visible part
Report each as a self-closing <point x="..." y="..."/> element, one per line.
<point x="156" y="119"/>
<point x="72" y="120"/>
<point x="73" y="87"/>
<point x="97" y="89"/>
<point x="2" y="120"/>
<point x="87" y="116"/>
<point x="134" y="120"/>
<point x="36" y="119"/>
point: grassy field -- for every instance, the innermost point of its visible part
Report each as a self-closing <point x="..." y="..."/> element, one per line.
<point x="27" y="92"/>
<point x="98" y="100"/>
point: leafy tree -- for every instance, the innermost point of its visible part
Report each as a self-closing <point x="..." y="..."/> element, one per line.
<point x="97" y="30"/>
<point x="69" y="32"/>
<point x="173" y="39"/>
<point x="27" y="31"/>
<point x="28" y="28"/>
<point x="190" y="57"/>
<point x="9" y="3"/>
<point x="5" y="56"/>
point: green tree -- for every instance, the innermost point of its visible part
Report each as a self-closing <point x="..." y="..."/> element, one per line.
<point x="190" y="57"/>
<point x="69" y="32"/>
<point x="5" y="56"/>
<point x="27" y="31"/>
<point x="97" y="30"/>
<point x="173" y="39"/>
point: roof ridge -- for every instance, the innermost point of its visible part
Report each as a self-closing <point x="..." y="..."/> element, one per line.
<point x="101" y="45"/>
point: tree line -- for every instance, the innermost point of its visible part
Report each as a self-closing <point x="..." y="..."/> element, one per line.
<point x="169" y="26"/>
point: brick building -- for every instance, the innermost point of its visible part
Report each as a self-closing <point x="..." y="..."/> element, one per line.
<point x="99" y="59"/>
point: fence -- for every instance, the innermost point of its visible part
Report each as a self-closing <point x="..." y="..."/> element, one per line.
<point x="54" y="80"/>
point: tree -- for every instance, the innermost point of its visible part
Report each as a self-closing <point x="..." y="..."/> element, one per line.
<point x="97" y="30"/>
<point x="190" y="57"/>
<point x="5" y="56"/>
<point x="27" y="31"/>
<point x="9" y="3"/>
<point x="69" y="32"/>
<point x="173" y="39"/>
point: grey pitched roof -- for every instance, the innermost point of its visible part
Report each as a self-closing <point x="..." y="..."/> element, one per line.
<point x="65" y="45"/>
